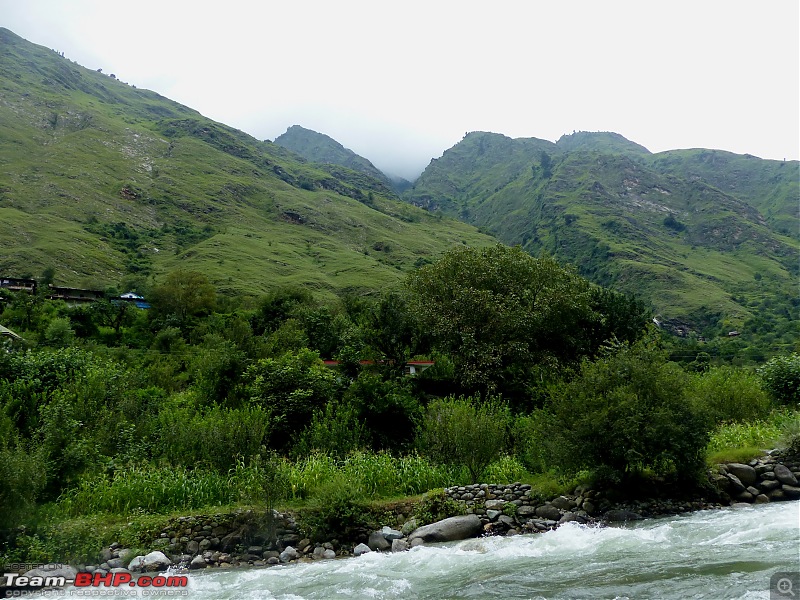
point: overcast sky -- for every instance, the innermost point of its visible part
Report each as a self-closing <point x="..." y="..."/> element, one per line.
<point x="400" y="82"/>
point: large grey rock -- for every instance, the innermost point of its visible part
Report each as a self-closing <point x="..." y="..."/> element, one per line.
<point x="736" y="485"/>
<point x="361" y="549"/>
<point x="745" y="473"/>
<point x="198" y="562"/>
<point x="563" y="503"/>
<point x="548" y="511"/>
<point x="448" y="530"/>
<point x="526" y="512"/>
<point x="65" y="571"/>
<point x="620" y="515"/>
<point x="155" y="561"/>
<point x="377" y="542"/>
<point x="494" y="504"/>
<point x="391" y="534"/>
<point x="791" y="491"/>
<point x="493" y="514"/>
<point x="289" y="554"/>
<point x="784" y="475"/>
<point x="769" y="484"/>
<point x="399" y="545"/>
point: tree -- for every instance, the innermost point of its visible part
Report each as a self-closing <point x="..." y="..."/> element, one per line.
<point x="291" y="387"/>
<point x="182" y="295"/>
<point x="499" y="312"/>
<point x="627" y="412"/>
<point x="464" y="432"/>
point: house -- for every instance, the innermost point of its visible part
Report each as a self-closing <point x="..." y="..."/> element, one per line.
<point x="74" y="295"/>
<point x="16" y="284"/>
<point x="131" y="298"/>
<point x="7" y="333"/>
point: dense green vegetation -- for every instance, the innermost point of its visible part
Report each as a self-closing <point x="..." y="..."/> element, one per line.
<point x="217" y="402"/>
<point x="707" y="238"/>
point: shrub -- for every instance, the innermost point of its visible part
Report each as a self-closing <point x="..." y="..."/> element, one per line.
<point x="627" y="412"/>
<point x="781" y="377"/>
<point x="337" y="509"/>
<point x="729" y="394"/>
<point x="464" y="431"/>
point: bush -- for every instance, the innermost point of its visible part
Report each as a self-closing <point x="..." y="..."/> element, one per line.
<point x="626" y="413"/>
<point x="729" y="394"/>
<point x="336" y="511"/>
<point x="465" y="432"/>
<point x="781" y="377"/>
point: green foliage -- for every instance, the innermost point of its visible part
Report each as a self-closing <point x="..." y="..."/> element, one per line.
<point x="728" y="394"/>
<point x="59" y="333"/>
<point x="436" y="505"/>
<point x="337" y="510"/>
<point x="506" y="469"/>
<point x="781" y="377"/>
<point x="761" y="434"/>
<point x="499" y="312"/>
<point x="290" y="388"/>
<point x="627" y="412"/>
<point x="22" y="480"/>
<point x="335" y="430"/>
<point x="465" y="432"/>
<point x="183" y="295"/>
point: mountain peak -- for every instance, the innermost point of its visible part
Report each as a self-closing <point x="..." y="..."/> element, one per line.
<point x="602" y="141"/>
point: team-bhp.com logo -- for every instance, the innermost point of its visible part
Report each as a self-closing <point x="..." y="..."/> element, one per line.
<point x="87" y="584"/>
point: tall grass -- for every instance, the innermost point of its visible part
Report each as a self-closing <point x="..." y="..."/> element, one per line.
<point x="735" y="440"/>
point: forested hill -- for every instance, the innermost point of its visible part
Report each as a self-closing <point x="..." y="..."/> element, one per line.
<point x="709" y="237"/>
<point x="101" y="182"/>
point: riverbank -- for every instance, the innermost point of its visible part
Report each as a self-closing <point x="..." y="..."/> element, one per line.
<point x="260" y="538"/>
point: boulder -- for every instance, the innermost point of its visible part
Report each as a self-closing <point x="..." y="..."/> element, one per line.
<point x="769" y="484"/>
<point x="791" y="491"/>
<point x="784" y="475"/>
<point x="65" y="571"/>
<point x="399" y="545"/>
<point x="622" y="515"/>
<point x="494" y="504"/>
<point x="361" y="549"/>
<point x="448" y="530"/>
<point x="198" y="562"/>
<point x="563" y="503"/>
<point x="328" y="554"/>
<point x="289" y="554"/>
<point x="745" y="473"/>
<point x="525" y="512"/>
<point x="155" y="561"/>
<point x="548" y="511"/>
<point x="377" y="542"/>
<point x="736" y="485"/>
<point x="391" y="534"/>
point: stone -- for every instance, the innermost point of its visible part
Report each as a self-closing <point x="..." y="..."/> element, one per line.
<point x="361" y="549"/>
<point x="273" y="560"/>
<point x="106" y="555"/>
<point x="154" y="561"/>
<point x="198" y="562"/>
<point x="754" y="491"/>
<point x="409" y="526"/>
<point x="391" y="534"/>
<point x="784" y="475"/>
<point x="745" y="473"/>
<point x="230" y="541"/>
<point x="744" y="496"/>
<point x="494" y="504"/>
<point x="548" y="511"/>
<point x="736" y="484"/>
<point x="289" y="554"/>
<point x="506" y="520"/>
<point x="448" y="530"/>
<point x="304" y="543"/>
<point x="115" y="563"/>
<point x="622" y="515"/>
<point x="493" y="514"/>
<point x="761" y="499"/>
<point x="192" y="547"/>
<point x="318" y="552"/>
<point x="769" y="484"/>
<point x="328" y="554"/>
<point x="526" y="512"/>
<point x="206" y="544"/>
<point x="563" y="503"/>
<point x="588" y="506"/>
<point x="65" y="571"/>
<point x="791" y="491"/>
<point x="571" y="516"/>
<point x="399" y="545"/>
<point x="377" y="542"/>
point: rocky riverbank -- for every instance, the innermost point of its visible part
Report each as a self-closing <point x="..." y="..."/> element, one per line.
<point x="254" y="539"/>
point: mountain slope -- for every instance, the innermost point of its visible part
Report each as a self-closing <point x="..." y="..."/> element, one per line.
<point x="653" y="224"/>
<point x="102" y="181"/>
<point x="323" y="149"/>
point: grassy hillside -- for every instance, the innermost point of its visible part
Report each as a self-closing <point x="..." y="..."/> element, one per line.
<point x="102" y="181"/>
<point x="707" y="246"/>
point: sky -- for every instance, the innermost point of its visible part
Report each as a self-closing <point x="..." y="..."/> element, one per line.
<point x="400" y="82"/>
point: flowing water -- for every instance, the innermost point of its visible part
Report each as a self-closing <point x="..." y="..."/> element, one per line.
<point x="729" y="553"/>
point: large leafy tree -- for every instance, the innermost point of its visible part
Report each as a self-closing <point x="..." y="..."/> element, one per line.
<point x="502" y="314"/>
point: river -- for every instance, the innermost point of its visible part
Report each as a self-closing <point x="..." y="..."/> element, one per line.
<point x="730" y="554"/>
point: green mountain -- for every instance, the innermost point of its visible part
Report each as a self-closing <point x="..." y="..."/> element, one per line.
<point x="705" y="236"/>
<point x="102" y="181"/>
<point x="323" y="149"/>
